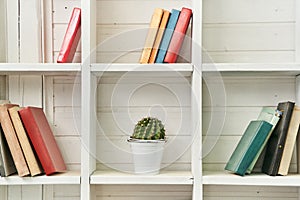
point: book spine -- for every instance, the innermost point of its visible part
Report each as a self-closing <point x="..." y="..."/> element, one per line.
<point x="178" y="35"/>
<point x="150" y="38"/>
<point x="167" y="36"/>
<point x="71" y="38"/>
<point x="37" y="141"/>
<point x="277" y="140"/>
<point x="159" y="36"/>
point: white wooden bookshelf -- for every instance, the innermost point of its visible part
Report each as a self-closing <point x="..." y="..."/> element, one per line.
<point x="163" y="178"/>
<point x="226" y="178"/>
<point x="40" y="68"/>
<point x="69" y="178"/>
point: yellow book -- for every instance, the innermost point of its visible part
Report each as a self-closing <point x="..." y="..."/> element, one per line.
<point x="151" y="35"/>
<point x="290" y="142"/>
<point x="159" y="35"/>
<point x="32" y="161"/>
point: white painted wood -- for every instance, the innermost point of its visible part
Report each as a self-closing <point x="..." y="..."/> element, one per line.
<point x="48" y="192"/>
<point x="37" y="68"/>
<point x="164" y="177"/>
<point x="143" y="192"/>
<point x="225" y="178"/>
<point x="3" y="192"/>
<point x="249" y="56"/>
<point x="25" y="90"/>
<point x="15" y="192"/>
<point x="32" y="192"/>
<point x="47" y="32"/>
<point x="3" y="31"/>
<point x="239" y="37"/>
<point x="113" y="11"/>
<point x="297" y="31"/>
<point x="30" y="25"/>
<point x="12" y="31"/>
<point x="269" y="68"/>
<point x="70" y="177"/>
<point x="215" y="11"/>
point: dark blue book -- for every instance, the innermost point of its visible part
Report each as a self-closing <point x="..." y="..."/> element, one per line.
<point x="167" y="36"/>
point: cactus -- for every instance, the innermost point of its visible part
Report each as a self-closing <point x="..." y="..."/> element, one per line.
<point x="149" y="128"/>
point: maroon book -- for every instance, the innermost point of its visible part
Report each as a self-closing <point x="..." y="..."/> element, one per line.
<point x="71" y="39"/>
<point x="42" y="139"/>
<point x="178" y="35"/>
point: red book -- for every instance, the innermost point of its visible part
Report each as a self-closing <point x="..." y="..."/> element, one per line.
<point x="178" y="35"/>
<point x="42" y="138"/>
<point x="71" y="38"/>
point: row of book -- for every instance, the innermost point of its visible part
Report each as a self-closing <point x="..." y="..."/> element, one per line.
<point x="165" y="36"/>
<point x="268" y="142"/>
<point x="27" y="143"/>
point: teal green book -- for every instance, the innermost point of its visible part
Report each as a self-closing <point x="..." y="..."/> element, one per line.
<point x="271" y="115"/>
<point x="248" y="146"/>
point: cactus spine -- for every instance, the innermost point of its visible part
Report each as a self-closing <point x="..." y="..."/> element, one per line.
<point x="149" y="128"/>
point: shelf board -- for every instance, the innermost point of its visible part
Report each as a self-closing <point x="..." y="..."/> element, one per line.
<point x="156" y="69"/>
<point x="226" y="178"/>
<point x="70" y="177"/>
<point x="164" y="177"/>
<point x="253" y="68"/>
<point x="39" y="68"/>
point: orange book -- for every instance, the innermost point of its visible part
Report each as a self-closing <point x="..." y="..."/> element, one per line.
<point x="159" y="36"/>
<point x="42" y="138"/>
<point x="12" y="140"/>
<point x="71" y="39"/>
<point x="153" y="29"/>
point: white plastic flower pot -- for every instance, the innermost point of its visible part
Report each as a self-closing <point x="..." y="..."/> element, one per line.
<point x="147" y="155"/>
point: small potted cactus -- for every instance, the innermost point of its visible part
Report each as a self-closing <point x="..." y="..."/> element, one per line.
<point x="147" y="144"/>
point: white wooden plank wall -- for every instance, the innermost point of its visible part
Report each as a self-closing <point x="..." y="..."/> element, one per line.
<point x="250" y="193"/>
<point x="3" y="31"/>
<point x="65" y="117"/>
<point x="249" y="31"/>
<point x="122" y="27"/>
<point x="148" y="192"/>
<point x="124" y="101"/>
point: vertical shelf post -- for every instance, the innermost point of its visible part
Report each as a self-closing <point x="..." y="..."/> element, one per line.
<point x="196" y="104"/>
<point x="88" y="42"/>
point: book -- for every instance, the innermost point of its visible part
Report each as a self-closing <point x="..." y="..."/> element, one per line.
<point x="159" y="36"/>
<point x="30" y="156"/>
<point x="7" y="165"/>
<point x="71" y="38"/>
<point x="42" y="138"/>
<point x="248" y="146"/>
<point x="163" y="47"/>
<point x="290" y="142"/>
<point x="151" y="35"/>
<point x="276" y="143"/>
<point x="12" y="140"/>
<point x="178" y="35"/>
<point x="271" y="115"/>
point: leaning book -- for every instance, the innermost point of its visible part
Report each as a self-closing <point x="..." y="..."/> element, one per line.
<point x="248" y="146"/>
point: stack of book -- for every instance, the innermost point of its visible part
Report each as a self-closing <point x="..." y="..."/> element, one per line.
<point x="165" y="35"/>
<point x="268" y="142"/>
<point x="27" y="143"/>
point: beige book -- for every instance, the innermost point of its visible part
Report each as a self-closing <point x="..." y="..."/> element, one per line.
<point x="152" y="31"/>
<point x="12" y="140"/>
<point x="159" y="35"/>
<point x="31" y="159"/>
<point x="290" y="142"/>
